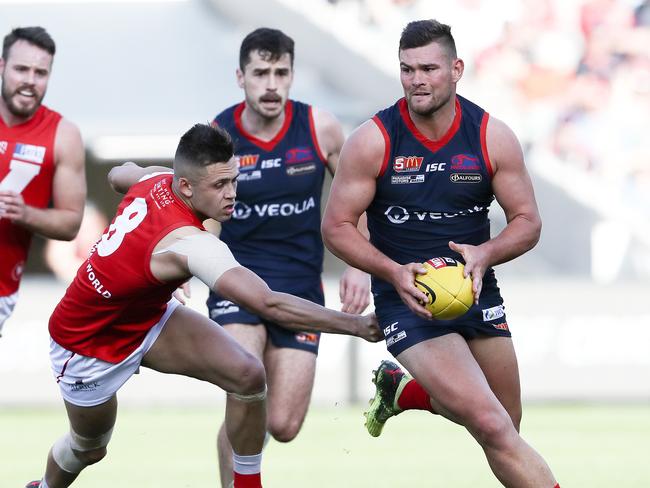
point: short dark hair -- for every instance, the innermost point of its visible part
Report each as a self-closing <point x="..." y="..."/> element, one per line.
<point x="271" y="41"/>
<point x="202" y="146"/>
<point x="423" y="32"/>
<point x="34" y="35"/>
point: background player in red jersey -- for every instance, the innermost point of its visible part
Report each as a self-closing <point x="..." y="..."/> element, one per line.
<point x="118" y="314"/>
<point x="41" y="159"/>
<point x="464" y="369"/>
<point x="285" y="148"/>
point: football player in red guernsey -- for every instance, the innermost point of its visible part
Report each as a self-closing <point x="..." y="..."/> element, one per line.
<point x="41" y="160"/>
<point x="118" y="314"/>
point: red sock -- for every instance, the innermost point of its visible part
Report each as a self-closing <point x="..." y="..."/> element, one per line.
<point x="248" y="480"/>
<point x="557" y="486"/>
<point x="414" y="397"/>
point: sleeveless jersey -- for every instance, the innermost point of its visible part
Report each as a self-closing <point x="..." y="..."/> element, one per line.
<point x="275" y="228"/>
<point x="430" y="192"/>
<point x="114" y="300"/>
<point x="26" y="167"/>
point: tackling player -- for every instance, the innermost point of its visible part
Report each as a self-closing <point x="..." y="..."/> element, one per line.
<point x="118" y="314"/>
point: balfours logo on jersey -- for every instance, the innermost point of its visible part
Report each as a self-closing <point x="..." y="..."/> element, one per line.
<point x="29" y="152"/>
<point x="465" y="178"/>
<point x="247" y="162"/>
<point x="407" y="164"/>
<point x="467" y="162"/>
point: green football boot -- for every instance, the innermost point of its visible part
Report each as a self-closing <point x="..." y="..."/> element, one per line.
<point x="389" y="380"/>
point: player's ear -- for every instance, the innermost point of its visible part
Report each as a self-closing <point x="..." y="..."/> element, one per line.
<point x="240" y="78"/>
<point x="457" y="68"/>
<point x="185" y="187"/>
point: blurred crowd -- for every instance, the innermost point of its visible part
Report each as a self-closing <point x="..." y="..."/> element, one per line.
<point x="572" y="77"/>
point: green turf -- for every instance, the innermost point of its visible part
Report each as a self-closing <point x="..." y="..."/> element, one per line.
<point x="587" y="446"/>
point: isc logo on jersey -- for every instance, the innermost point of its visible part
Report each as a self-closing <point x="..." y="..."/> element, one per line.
<point x="407" y="164"/>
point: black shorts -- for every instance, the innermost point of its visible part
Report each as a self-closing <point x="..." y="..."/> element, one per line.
<point x="225" y="312"/>
<point x="403" y="329"/>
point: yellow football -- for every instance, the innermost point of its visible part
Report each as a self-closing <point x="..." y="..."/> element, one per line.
<point x="449" y="293"/>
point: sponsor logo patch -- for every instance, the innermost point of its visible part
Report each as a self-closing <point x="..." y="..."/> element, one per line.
<point x="493" y="313"/>
<point x="247" y="162"/>
<point x="438" y="263"/>
<point x="250" y="175"/>
<point x="465" y="177"/>
<point x="307" y="338"/>
<point x="3" y="146"/>
<point x="438" y="166"/>
<point x="501" y="326"/>
<point x="407" y="164"/>
<point x="223" y="307"/>
<point x="468" y="162"/>
<point x="396" y="338"/>
<point x="81" y="386"/>
<point x="398" y="215"/>
<point x="406" y="179"/>
<point x="28" y="152"/>
<point x="301" y="169"/>
<point x="299" y="155"/>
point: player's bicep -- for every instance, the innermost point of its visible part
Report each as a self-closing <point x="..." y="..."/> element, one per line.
<point x="354" y="183"/>
<point x="69" y="181"/>
<point x="511" y="182"/>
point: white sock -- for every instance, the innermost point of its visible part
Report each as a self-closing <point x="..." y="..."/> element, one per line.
<point x="247" y="464"/>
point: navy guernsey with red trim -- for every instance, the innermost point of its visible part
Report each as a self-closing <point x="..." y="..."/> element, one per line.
<point x="430" y="192"/>
<point x="275" y="228"/>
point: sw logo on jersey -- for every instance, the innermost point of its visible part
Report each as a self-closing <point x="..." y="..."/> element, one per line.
<point x="28" y="152"/>
<point x="465" y="162"/>
<point x="247" y="162"/>
<point x="299" y="155"/>
<point x="407" y="164"/>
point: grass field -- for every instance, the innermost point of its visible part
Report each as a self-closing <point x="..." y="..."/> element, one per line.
<point x="587" y="446"/>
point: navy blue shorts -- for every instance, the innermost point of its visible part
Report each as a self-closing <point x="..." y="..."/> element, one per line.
<point x="225" y="312"/>
<point x="403" y="329"/>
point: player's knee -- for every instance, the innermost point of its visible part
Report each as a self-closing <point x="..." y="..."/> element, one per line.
<point x="91" y="457"/>
<point x="72" y="452"/>
<point x="493" y="428"/>
<point x="251" y="378"/>
<point x="284" y="429"/>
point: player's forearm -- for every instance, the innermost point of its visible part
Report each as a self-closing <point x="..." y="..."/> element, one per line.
<point x="60" y="224"/>
<point x="347" y="243"/>
<point x="519" y="236"/>
<point x="302" y="315"/>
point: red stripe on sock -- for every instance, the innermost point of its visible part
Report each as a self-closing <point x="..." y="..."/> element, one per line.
<point x="248" y="480"/>
<point x="414" y="397"/>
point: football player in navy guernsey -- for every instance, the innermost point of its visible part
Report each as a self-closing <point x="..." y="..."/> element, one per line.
<point x="425" y="172"/>
<point x="284" y="148"/>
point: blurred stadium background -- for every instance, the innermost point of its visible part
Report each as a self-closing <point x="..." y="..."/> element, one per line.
<point x="571" y="77"/>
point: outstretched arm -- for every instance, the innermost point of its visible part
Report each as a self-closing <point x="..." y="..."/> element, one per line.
<point x="187" y="251"/>
<point x="122" y="177"/>
<point x="353" y="189"/>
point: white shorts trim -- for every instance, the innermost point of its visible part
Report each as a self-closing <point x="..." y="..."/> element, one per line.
<point x="7" y="305"/>
<point x="86" y="381"/>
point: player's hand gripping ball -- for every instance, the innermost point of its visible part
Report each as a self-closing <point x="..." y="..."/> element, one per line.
<point x="449" y="293"/>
